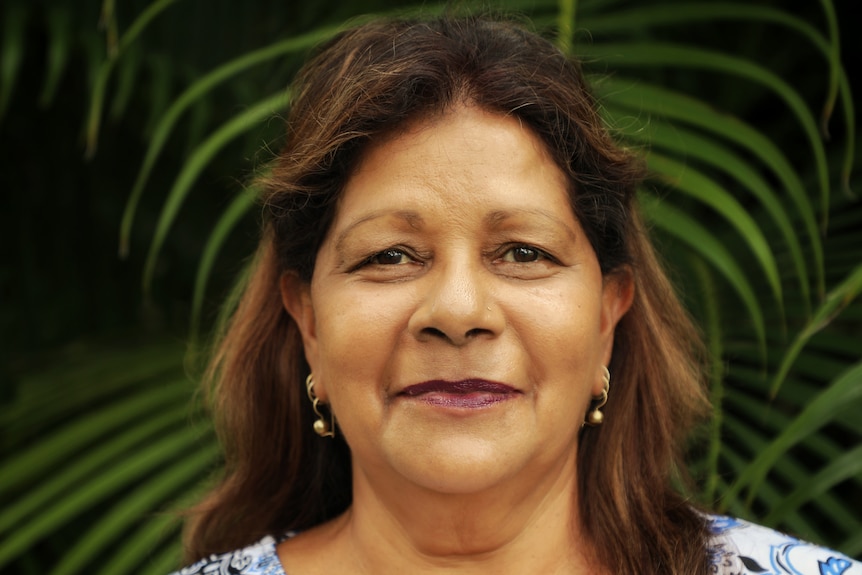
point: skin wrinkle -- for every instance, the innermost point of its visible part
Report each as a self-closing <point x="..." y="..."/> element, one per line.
<point x="495" y="221"/>
<point x="413" y="219"/>
<point x="469" y="185"/>
<point x="258" y="368"/>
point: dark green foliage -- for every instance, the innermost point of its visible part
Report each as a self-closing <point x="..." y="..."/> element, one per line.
<point x="132" y="128"/>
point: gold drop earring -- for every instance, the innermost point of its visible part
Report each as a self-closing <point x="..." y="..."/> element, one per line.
<point x="595" y="416"/>
<point x="322" y="427"/>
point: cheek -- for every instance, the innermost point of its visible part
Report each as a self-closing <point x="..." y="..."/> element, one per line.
<point x="357" y="330"/>
<point x="573" y="310"/>
<point x="561" y="333"/>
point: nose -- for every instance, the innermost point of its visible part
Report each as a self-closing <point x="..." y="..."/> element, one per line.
<point x="457" y="304"/>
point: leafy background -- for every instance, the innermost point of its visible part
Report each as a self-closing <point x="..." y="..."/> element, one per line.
<point x="130" y="131"/>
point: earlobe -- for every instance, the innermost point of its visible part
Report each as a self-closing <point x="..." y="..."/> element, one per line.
<point x="296" y="299"/>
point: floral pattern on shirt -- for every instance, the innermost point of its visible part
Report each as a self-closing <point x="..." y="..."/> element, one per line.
<point x="737" y="547"/>
<point x="258" y="559"/>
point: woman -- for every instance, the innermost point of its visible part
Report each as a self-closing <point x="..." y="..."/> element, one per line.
<point x="457" y="350"/>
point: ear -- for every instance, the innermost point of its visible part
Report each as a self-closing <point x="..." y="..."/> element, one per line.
<point x="618" y="292"/>
<point x="296" y="299"/>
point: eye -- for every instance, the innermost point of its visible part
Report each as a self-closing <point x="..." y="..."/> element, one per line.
<point x="523" y="254"/>
<point x="392" y="256"/>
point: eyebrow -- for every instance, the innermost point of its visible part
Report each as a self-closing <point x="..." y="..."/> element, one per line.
<point x="498" y="217"/>
<point x="413" y="219"/>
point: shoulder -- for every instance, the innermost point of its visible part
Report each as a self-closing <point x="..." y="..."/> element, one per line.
<point x="738" y="547"/>
<point x="257" y="559"/>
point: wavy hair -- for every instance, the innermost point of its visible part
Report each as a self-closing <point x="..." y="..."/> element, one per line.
<point x="364" y="85"/>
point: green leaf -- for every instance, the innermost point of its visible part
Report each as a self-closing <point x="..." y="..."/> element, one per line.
<point x="695" y="184"/>
<point x="160" y="70"/>
<point x="167" y="560"/>
<point x="108" y="22"/>
<point x="686" y="13"/>
<point x="11" y="50"/>
<point x="227" y="221"/>
<point x="202" y="155"/>
<point x="127" y="73"/>
<point x="154" y="547"/>
<point x="85" y="465"/>
<point x="838" y="299"/>
<point x="835" y="70"/>
<point x="768" y="495"/>
<point x="658" y="134"/>
<point x="59" y="23"/>
<point x="746" y="413"/>
<point x="656" y="54"/>
<point x="121" y="474"/>
<point x="676" y="223"/>
<point x="140" y="553"/>
<point x="194" y="93"/>
<point x="852" y="546"/>
<point x="839" y="469"/>
<point x="85" y="375"/>
<point x="850" y="133"/>
<point x="101" y="83"/>
<point x="839" y="396"/>
<point x="146" y="496"/>
<point x="566" y="24"/>
<point x="643" y="98"/>
<point x="712" y="329"/>
<point x="36" y="460"/>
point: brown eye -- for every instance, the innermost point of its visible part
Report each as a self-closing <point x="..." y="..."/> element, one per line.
<point x="522" y="254"/>
<point x="390" y="257"/>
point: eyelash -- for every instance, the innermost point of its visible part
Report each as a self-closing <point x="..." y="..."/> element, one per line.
<point x="372" y="259"/>
<point x="540" y="254"/>
<point x="387" y="252"/>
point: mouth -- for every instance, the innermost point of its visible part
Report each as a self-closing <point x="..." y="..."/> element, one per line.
<point x="466" y="393"/>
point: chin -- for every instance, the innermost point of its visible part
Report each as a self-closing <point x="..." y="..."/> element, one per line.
<point x="459" y="465"/>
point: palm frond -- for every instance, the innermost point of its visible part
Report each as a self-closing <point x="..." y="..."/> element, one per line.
<point x="98" y="446"/>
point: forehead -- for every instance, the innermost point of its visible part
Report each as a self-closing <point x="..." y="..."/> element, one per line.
<point x="464" y="153"/>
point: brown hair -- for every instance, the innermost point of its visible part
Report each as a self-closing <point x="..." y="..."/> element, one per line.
<point x="363" y="85"/>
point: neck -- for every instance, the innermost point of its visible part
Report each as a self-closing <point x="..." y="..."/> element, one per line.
<point x="525" y="526"/>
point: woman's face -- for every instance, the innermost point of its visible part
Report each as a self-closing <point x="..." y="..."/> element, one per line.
<point x="457" y="319"/>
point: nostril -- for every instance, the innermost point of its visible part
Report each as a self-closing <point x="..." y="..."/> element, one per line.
<point x="433" y="331"/>
<point x="476" y="331"/>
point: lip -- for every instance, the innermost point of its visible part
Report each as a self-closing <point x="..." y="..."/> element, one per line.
<point x="465" y="393"/>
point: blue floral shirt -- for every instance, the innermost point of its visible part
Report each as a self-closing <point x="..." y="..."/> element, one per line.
<point x="737" y="547"/>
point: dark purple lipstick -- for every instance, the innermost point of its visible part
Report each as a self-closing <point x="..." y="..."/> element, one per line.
<point x="467" y="393"/>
